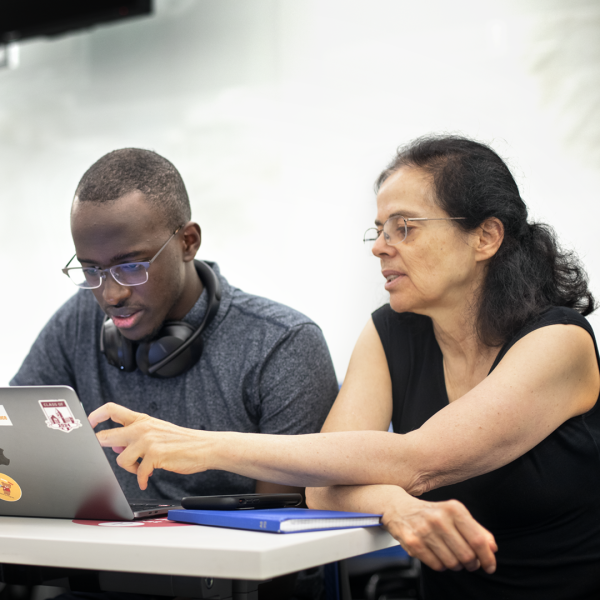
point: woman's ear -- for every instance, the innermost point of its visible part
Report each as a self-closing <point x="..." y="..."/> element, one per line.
<point x="490" y="235"/>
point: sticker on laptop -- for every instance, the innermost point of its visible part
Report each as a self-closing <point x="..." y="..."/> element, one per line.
<point x="10" y="491"/>
<point x="4" y="418"/>
<point x="59" y="415"/>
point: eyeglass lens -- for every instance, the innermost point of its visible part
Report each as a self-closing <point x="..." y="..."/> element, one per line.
<point x="127" y="274"/>
<point x="394" y="232"/>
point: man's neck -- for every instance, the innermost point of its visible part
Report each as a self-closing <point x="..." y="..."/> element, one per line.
<point x="192" y="290"/>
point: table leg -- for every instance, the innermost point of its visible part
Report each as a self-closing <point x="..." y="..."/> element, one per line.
<point x="244" y="590"/>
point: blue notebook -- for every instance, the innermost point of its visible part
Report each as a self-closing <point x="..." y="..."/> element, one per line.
<point x="277" y="520"/>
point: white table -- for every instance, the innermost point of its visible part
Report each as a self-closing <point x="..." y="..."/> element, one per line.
<point x="192" y="560"/>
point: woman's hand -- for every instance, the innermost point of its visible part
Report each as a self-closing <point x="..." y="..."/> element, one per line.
<point x="159" y="444"/>
<point x="443" y="535"/>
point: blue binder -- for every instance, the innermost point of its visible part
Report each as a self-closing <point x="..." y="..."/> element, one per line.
<point x="277" y="520"/>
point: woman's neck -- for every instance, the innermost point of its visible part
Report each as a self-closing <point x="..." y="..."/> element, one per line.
<point x="467" y="360"/>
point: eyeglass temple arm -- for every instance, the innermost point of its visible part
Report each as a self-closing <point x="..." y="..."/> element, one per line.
<point x="164" y="245"/>
<point x="433" y="218"/>
<point x="64" y="269"/>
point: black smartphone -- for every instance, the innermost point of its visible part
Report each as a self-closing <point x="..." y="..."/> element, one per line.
<point x="241" y="501"/>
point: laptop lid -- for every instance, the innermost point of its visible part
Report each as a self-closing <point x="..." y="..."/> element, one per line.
<point x="51" y="464"/>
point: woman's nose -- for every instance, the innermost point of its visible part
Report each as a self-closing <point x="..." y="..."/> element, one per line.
<point x="380" y="247"/>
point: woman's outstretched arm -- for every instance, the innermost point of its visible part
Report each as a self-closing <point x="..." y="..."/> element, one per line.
<point x="547" y="377"/>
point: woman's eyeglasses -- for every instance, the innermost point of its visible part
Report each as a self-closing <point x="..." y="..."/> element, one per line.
<point x="395" y="229"/>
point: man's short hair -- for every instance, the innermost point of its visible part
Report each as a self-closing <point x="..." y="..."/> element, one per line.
<point x="132" y="169"/>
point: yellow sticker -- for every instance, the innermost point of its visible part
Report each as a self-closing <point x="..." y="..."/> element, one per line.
<point x="9" y="489"/>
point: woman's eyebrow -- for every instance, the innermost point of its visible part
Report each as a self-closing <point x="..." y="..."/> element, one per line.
<point x="409" y="214"/>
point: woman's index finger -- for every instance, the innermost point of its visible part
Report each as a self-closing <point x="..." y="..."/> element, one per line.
<point x="114" y="412"/>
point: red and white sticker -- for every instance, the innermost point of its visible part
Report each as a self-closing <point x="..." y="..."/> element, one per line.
<point x="4" y="418"/>
<point x="59" y="415"/>
<point x="160" y="522"/>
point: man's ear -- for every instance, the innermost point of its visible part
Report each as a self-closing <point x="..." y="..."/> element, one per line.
<point x="192" y="238"/>
<point x="490" y="235"/>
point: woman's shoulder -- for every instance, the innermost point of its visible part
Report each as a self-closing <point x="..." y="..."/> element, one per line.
<point x="557" y="315"/>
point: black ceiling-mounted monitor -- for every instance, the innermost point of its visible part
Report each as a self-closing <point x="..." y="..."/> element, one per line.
<point x="22" y="19"/>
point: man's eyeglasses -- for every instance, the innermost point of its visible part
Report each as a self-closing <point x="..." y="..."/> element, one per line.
<point x="395" y="229"/>
<point x="134" y="273"/>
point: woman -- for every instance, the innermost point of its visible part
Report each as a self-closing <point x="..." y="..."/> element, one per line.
<point x="487" y="370"/>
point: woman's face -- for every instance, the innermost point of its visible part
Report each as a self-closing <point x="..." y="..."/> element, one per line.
<point x="435" y="268"/>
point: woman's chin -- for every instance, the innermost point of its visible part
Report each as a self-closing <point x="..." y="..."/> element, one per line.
<point x="400" y="305"/>
<point x="407" y="302"/>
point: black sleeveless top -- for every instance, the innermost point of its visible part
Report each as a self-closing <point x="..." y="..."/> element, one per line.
<point x="543" y="508"/>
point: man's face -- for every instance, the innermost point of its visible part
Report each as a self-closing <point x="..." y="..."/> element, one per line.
<point x="130" y="229"/>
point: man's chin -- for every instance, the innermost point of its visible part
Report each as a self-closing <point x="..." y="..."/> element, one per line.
<point x="140" y="338"/>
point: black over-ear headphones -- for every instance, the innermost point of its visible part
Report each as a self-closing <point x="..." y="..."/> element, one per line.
<point x="176" y="348"/>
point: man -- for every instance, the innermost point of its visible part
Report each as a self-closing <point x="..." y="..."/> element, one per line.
<point x="256" y="366"/>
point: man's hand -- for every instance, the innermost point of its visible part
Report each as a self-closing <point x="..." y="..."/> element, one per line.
<point x="443" y="535"/>
<point x="159" y="444"/>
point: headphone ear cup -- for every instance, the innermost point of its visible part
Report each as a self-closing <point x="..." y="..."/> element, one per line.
<point x="171" y="336"/>
<point x="119" y="351"/>
<point x="141" y="357"/>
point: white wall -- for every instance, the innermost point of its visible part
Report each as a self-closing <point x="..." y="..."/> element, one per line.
<point x="280" y="114"/>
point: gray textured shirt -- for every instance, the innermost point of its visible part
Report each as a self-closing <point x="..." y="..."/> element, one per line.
<point x="265" y="368"/>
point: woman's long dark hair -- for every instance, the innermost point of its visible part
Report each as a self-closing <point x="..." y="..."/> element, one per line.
<point x="530" y="272"/>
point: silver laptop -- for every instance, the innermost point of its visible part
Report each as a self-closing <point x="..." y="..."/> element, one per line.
<point x="52" y="465"/>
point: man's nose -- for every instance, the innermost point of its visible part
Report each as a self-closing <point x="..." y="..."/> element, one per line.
<point x="113" y="292"/>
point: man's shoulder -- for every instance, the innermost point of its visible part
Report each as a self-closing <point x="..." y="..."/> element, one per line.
<point x="267" y="311"/>
<point x="74" y="317"/>
<point x="68" y="339"/>
<point x="81" y="302"/>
